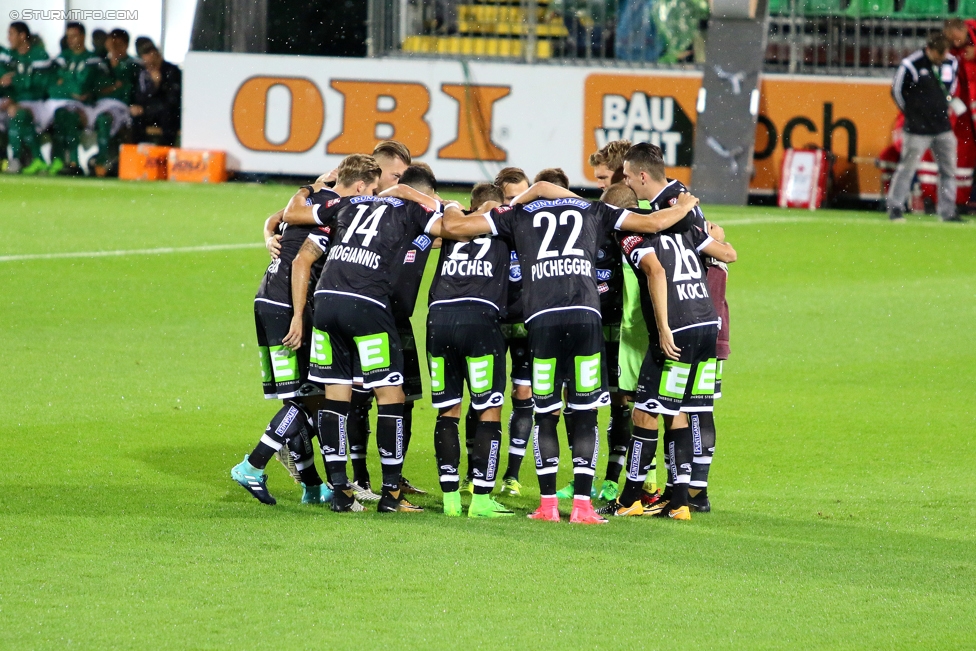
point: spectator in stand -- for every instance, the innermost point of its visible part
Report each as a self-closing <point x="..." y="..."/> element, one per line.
<point x="156" y="102"/>
<point x="922" y="89"/>
<point x="142" y="40"/>
<point x="98" y="37"/>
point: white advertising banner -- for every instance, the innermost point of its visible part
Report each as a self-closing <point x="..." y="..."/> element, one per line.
<point x="301" y="115"/>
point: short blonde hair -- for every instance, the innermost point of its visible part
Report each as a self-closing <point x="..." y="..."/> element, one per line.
<point x="358" y="167"/>
<point x="393" y="149"/>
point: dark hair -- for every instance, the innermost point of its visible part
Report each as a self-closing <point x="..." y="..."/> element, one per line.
<point x="419" y="177"/>
<point x="483" y="192"/>
<point x="20" y="27"/>
<point x="937" y="42"/>
<point x="647" y="158"/>
<point x="619" y="195"/>
<point x="74" y="25"/>
<point x="510" y="175"/>
<point x="120" y="34"/>
<point x="358" y="167"/>
<point x="393" y="149"/>
<point x="554" y="175"/>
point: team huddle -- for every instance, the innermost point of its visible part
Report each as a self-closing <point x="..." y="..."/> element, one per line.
<point x="618" y="302"/>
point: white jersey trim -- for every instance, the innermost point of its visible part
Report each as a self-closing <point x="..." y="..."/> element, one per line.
<point x="620" y="222"/>
<point x="658" y="195"/>
<point x="430" y="222"/>
<point x="641" y="253"/>
<point x="491" y="223"/>
<point x="707" y="241"/>
<point x="463" y="300"/>
<point x="265" y="300"/>
<point x="697" y="325"/>
<point x="561" y="309"/>
<point x="365" y="298"/>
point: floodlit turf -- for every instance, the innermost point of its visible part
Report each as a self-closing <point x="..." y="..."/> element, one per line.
<point x="843" y="485"/>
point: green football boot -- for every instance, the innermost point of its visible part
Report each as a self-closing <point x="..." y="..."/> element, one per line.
<point x="567" y="492"/>
<point x="36" y="167"/>
<point x="56" y="166"/>
<point x="609" y="491"/>
<point x="466" y="486"/>
<point x="483" y="506"/>
<point x="511" y="487"/>
<point x="253" y="480"/>
<point x="452" y="504"/>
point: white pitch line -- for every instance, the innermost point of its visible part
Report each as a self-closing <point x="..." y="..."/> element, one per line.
<point x="746" y="221"/>
<point x="106" y="254"/>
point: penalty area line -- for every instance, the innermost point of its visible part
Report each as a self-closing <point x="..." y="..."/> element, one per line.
<point x="107" y="254"/>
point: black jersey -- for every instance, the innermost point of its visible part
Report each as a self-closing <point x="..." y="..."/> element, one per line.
<point x="276" y="285"/>
<point x="513" y="309"/>
<point x="667" y="198"/>
<point x="557" y="243"/>
<point x="472" y="271"/>
<point x="689" y="304"/>
<point x="367" y="234"/>
<point x="408" y="273"/>
<point x="610" y="281"/>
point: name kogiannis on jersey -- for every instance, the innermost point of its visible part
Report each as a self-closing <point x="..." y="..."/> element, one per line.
<point x="475" y="271"/>
<point x="689" y="304"/>
<point x="367" y="234"/>
<point x="557" y="243"/>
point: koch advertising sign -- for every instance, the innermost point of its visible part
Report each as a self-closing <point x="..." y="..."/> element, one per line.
<point x="302" y="115"/>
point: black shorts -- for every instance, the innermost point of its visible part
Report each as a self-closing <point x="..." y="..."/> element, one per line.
<point x="352" y="334"/>
<point x="611" y="343"/>
<point x="667" y="387"/>
<point x="465" y="342"/>
<point x="517" y="341"/>
<point x="283" y="370"/>
<point x="413" y="384"/>
<point x="567" y="350"/>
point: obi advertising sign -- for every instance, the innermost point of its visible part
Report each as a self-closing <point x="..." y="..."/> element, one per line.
<point x="301" y="115"/>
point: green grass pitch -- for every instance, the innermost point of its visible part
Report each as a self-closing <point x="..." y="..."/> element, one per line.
<point x="843" y="483"/>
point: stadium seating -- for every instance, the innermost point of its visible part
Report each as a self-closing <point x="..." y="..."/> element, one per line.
<point x="871" y="8"/>
<point x="923" y="9"/>
<point x="493" y="31"/>
<point x="822" y="8"/>
<point x="966" y="9"/>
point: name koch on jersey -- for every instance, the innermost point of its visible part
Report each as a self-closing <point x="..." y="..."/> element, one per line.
<point x="557" y="243"/>
<point x="689" y="303"/>
<point x="472" y="271"/>
<point x="368" y="232"/>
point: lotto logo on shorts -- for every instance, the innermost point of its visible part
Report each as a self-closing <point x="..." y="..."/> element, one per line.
<point x="321" y="353"/>
<point x="436" y="366"/>
<point x="374" y="351"/>
<point x="480" y="373"/>
<point x="674" y="380"/>
<point x="588" y="373"/>
<point x="543" y="376"/>
<point x="284" y="363"/>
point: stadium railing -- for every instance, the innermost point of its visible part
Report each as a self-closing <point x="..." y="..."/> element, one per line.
<point x="835" y="37"/>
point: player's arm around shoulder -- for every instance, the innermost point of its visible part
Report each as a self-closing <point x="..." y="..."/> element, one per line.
<point x="544" y="190"/>
<point x="298" y="211"/>
<point x="455" y="225"/>
<point x="660" y="220"/>
<point x="272" y="238"/>
<point x="721" y="251"/>
<point x="301" y="271"/>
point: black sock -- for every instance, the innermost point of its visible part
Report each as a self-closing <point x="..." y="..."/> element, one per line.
<point x="302" y="452"/>
<point x="586" y="449"/>
<point x="703" y="448"/>
<point x="545" y="445"/>
<point x="407" y="425"/>
<point x="485" y="458"/>
<point x="640" y="455"/>
<point x="470" y="432"/>
<point x="618" y="436"/>
<point x="519" y="431"/>
<point x="447" y="450"/>
<point x="389" y="440"/>
<point x="568" y="416"/>
<point x="678" y="444"/>
<point x="332" y="439"/>
<point x="357" y="432"/>
<point x="288" y="422"/>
